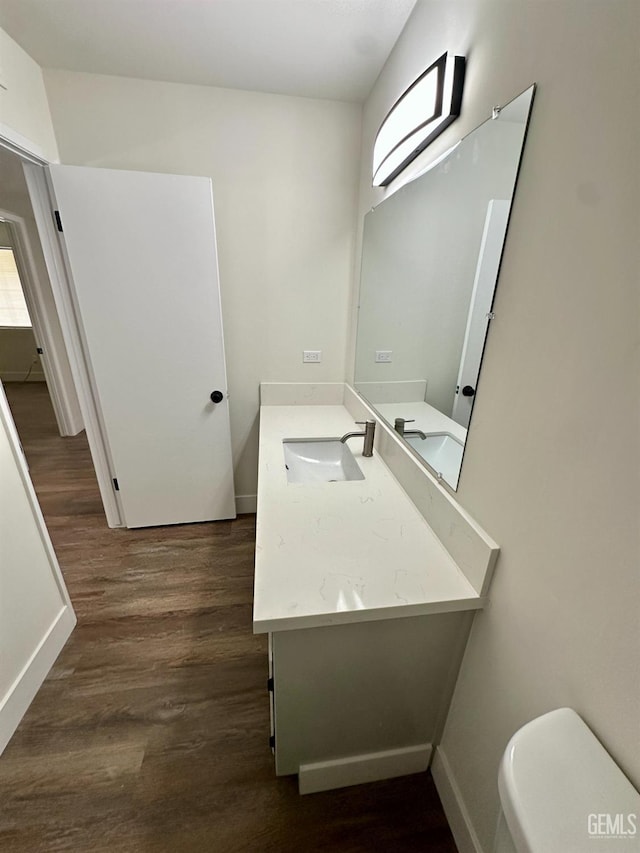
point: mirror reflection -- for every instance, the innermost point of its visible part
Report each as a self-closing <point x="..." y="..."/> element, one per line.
<point x="430" y="260"/>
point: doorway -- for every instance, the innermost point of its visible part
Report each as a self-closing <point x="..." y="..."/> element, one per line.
<point x="159" y="436"/>
<point x="19" y="357"/>
<point x="20" y="366"/>
<point x="32" y="348"/>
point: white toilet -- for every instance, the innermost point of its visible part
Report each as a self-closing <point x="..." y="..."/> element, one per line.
<point x="561" y="792"/>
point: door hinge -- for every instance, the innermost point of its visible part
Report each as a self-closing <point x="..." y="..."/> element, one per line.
<point x="115" y="484"/>
<point x="39" y="350"/>
<point x="270" y="685"/>
<point x="56" y="213"/>
<point x="272" y="741"/>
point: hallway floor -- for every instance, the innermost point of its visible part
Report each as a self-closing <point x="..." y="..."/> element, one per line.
<point x="151" y="732"/>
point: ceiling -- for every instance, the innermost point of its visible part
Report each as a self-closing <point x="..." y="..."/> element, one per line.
<point x="331" y="49"/>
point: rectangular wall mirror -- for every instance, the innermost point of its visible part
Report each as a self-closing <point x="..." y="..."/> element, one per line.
<point x="430" y="260"/>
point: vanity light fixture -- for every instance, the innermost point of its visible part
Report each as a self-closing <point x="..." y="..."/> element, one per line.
<point x="419" y="115"/>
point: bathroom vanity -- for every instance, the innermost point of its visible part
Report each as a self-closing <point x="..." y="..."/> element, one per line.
<point x="366" y="594"/>
<point x="368" y="572"/>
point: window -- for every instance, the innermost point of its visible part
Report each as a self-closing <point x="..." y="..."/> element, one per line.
<point x="13" y="309"/>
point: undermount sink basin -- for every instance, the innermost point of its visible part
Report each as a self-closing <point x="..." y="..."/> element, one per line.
<point x="319" y="460"/>
<point x="442" y="451"/>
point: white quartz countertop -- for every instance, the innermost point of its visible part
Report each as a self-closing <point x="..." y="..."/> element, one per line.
<point x="332" y="553"/>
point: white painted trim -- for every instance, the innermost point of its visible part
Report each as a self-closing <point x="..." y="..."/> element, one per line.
<point x="301" y="393"/>
<point x="358" y="769"/>
<point x="21" y="145"/>
<point x="454" y="808"/>
<point x="41" y="201"/>
<point x="246" y="504"/>
<point x="33" y="674"/>
<point x="63" y="399"/>
<point x="21" y="694"/>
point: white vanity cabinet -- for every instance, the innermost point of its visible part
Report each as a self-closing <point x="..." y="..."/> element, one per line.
<point x="362" y="701"/>
<point x="367" y="611"/>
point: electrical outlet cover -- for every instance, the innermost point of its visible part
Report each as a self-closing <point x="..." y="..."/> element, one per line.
<point x="383" y="356"/>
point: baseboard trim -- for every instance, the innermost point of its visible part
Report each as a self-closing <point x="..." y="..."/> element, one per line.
<point x="246" y="504"/>
<point x="369" y="767"/>
<point x="454" y="808"/>
<point x="14" y="704"/>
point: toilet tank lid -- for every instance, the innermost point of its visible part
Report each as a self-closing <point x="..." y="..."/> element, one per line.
<point x="562" y="792"/>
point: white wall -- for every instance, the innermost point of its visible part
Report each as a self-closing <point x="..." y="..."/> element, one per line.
<point x="284" y="174"/>
<point x="26" y="574"/>
<point x="24" y="109"/>
<point x="17" y="352"/>
<point x="36" y="617"/>
<point x="551" y="469"/>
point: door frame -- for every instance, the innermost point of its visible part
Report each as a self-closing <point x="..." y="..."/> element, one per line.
<point x="479" y="315"/>
<point x="67" y="413"/>
<point x="40" y="191"/>
<point x="61" y="392"/>
<point x="43" y="202"/>
<point x="34" y="165"/>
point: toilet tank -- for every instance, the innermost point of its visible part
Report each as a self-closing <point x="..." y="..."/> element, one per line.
<point x="561" y="792"/>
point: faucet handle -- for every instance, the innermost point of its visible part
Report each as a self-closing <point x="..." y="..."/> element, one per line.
<point x="400" y="423"/>
<point x="364" y="423"/>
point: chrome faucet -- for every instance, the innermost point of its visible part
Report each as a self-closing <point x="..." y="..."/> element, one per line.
<point x="369" y="432"/>
<point x="399" y="423"/>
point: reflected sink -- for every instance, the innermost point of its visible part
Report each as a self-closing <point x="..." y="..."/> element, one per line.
<point x="442" y="451"/>
<point x="319" y="460"/>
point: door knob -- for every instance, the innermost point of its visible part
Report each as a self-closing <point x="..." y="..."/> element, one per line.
<point x="468" y="391"/>
<point x="216" y="396"/>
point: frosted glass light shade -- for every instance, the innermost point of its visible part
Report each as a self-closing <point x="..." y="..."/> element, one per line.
<point x="421" y="113"/>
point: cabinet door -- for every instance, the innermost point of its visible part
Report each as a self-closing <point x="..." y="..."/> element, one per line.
<point x="348" y="691"/>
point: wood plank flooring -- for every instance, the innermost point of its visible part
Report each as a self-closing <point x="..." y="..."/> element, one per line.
<point x="151" y="732"/>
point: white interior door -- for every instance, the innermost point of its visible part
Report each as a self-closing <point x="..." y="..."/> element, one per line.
<point x="36" y="617"/>
<point x="495" y="229"/>
<point x="142" y="256"/>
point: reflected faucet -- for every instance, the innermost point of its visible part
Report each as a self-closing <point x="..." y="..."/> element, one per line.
<point x="399" y="423"/>
<point x="368" y="434"/>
